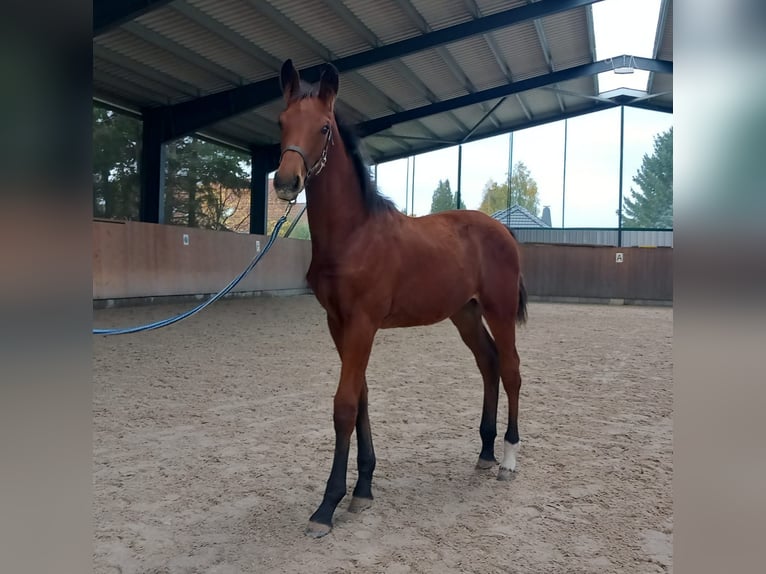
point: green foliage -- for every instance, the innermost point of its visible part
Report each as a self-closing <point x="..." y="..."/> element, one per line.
<point x="116" y="149"/>
<point x="443" y="199"/>
<point x="301" y="231"/>
<point x="206" y="185"/>
<point x="523" y="192"/>
<point x="652" y="206"/>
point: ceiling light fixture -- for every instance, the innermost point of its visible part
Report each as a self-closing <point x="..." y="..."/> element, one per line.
<point x="623" y="64"/>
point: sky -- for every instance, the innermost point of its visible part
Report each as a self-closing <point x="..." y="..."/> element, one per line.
<point x="592" y="169"/>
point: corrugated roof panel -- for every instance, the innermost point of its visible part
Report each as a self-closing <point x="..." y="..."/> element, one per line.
<point x="238" y="39"/>
<point x="270" y="111"/>
<point x="385" y="19"/>
<point x="440" y="126"/>
<point x="114" y="80"/>
<point x="218" y="52"/>
<point x="469" y="116"/>
<point x="509" y="113"/>
<point x="442" y="13"/>
<point x="520" y="47"/>
<point x="196" y="37"/>
<point x="385" y="147"/>
<point x="394" y="85"/>
<point x="191" y="38"/>
<point x="150" y="56"/>
<point x="356" y="95"/>
<point x="249" y="24"/>
<point x="567" y="35"/>
<point x="477" y="62"/>
<point x="349" y="113"/>
<point x="322" y="24"/>
<point x="666" y="46"/>
<point x="582" y="86"/>
<point x="541" y="102"/>
<point x="133" y="72"/>
<point x="430" y="67"/>
<point x="493" y="6"/>
<point x="662" y="83"/>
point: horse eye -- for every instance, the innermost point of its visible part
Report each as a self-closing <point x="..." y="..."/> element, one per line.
<point x="325" y="128"/>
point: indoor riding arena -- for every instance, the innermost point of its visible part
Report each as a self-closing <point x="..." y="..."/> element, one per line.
<point x="213" y="437"/>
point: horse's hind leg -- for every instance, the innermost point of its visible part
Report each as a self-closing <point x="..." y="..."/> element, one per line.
<point x="475" y="336"/>
<point x="362" y="497"/>
<point x="503" y="329"/>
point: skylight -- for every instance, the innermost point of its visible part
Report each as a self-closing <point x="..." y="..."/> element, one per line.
<point x="625" y="27"/>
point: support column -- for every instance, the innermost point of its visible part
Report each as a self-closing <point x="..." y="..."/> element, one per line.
<point x="152" y="171"/>
<point x="564" y="179"/>
<point x="263" y="162"/>
<point x="459" y="174"/>
<point x="622" y="155"/>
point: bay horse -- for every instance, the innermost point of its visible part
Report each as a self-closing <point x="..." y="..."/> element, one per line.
<point x="373" y="267"/>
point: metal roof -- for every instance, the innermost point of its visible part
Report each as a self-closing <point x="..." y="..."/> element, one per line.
<point x="518" y="217"/>
<point x="416" y="75"/>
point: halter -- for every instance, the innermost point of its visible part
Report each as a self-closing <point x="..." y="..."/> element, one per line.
<point x="318" y="165"/>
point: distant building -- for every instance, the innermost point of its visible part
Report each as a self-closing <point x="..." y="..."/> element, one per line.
<point x="517" y="217"/>
<point x="239" y="207"/>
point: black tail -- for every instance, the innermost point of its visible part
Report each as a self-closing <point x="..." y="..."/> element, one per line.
<point x="521" y="314"/>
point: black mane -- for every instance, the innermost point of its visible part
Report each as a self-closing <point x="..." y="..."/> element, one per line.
<point x="372" y="199"/>
<point x="371" y="196"/>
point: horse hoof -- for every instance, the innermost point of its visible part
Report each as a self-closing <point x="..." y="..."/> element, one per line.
<point x="317" y="530"/>
<point x="505" y="474"/>
<point x="359" y="504"/>
<point x="483" y="464"/>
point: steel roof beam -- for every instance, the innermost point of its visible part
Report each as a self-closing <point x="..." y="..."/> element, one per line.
<point x="350" y="19"/>
<point x="232" y="37"/>
<point x="183" y="53"/>
<point x="486" y="115"/>
<point x="191" y="116"/>
<point x="506" y="128"/>
<point x="109" y="14"/>
<point x="648" y="105"/>
<point x="380" y="124"/>
<point x="546" y="50"/>
<point x="475" y="11"/>
<point x="135" y="67"/>
<point x="323" y="52"/>
<point x="591" y="42"/>
<point x="457" y="72"/>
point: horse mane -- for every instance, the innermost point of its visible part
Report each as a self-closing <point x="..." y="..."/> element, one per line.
<point x="372" y="199"/>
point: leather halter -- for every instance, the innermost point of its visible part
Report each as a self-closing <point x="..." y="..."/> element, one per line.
<point x="318" y="165"/>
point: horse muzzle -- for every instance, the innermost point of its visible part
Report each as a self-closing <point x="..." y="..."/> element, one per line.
<point x="288" y="186"/>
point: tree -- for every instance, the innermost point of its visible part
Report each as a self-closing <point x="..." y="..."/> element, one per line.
<point x="442" y="199"/>
<point x="206" y="185"/>
<point x="116" y="148"/>
<point x="652" y="206"/>
<point x="523" y="192"/>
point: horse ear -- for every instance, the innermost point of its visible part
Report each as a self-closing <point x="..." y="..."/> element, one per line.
<point x="289" y="80"/>
<point x="328" y="83"/>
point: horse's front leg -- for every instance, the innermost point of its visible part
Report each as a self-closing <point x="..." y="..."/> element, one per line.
<point x="355" y="341"/>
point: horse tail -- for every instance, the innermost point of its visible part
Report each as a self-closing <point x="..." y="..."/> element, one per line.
<point x="521" y="314"/>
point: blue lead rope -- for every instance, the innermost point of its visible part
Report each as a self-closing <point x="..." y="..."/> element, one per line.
<point x="213" y="299"/>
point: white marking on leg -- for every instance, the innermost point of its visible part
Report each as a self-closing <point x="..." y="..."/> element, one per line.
<point x="509" y="455"/>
